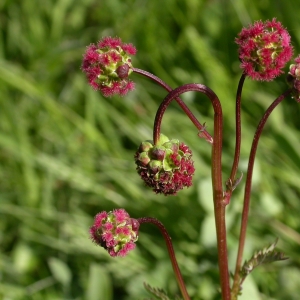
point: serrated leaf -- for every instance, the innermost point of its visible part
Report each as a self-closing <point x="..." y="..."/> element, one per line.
<point x="158" y="293"/>
<point x="264" y="256"/>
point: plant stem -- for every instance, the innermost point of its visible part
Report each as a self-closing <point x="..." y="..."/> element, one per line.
<point x="232" y="181"/>
<point x="202" y="131"/>
<point x="171" y="252"/>
<point x="238" y="128"/>
<point x="219" y="204"/>
<point x="247" y="194"/>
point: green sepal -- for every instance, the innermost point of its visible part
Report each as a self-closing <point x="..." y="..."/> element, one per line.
<point x="146" y="146"/>
<point x="144" y="158"/>
<point x="168" y="164"/>
<point x="173" y="145"/>
<point x="155" y="166"/>
<point x="162" y="139"/>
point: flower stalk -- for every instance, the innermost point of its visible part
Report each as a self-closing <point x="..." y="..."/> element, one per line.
<point x="171" y="253"/>
<point x="247" y="194"/>
<point x="216" y="170"/>
<point x="202" y="130"/>
<point x="232" y="182"/>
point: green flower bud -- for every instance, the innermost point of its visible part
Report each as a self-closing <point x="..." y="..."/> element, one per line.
<point x="166" y="167"/>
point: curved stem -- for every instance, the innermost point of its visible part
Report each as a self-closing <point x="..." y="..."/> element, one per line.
<point x="238" y="128"/>
<point x="202" y="131"/>
<point x="219" y="205"/>
<point x="231" y="183"/>
<point x="171" y="252"/>
<point x="247" y="194"/>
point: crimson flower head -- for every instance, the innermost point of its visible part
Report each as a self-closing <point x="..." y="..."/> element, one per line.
<point x="107" y="66"/>
<point x="293" y="78"/>
<point x="264" y="49"/>
<point x="115" y="231"/>
<point x="166" y="167"/>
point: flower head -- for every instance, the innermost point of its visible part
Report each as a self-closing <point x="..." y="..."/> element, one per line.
<point x="166" y="167"/>
<point x="264" y="49"/>
<point x="293" y="78"/>
<point x="115" y="231"/>
<point x="107" y="66"/>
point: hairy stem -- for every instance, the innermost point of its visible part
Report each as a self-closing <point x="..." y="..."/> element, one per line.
<point x="219" y="204"/>
<point x="171" y="252"/>
<point x="202" y="131"/>
<point x="247" y="194"/>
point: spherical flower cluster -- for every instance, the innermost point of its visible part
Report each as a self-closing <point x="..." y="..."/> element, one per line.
<point x="115" y="231"/>
<point x="293" y="78"/>
<point x="107" y="66"/>
<point x="264" y="49"/>
<point x="166" y="167"/>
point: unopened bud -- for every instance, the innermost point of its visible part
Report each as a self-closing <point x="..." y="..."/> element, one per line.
<point x="158" y="153"/>
<point x="154" y="166"/>
<point x="122" y="71"/>
<point x="146" y="146"/>
<point x="144" y="159"/>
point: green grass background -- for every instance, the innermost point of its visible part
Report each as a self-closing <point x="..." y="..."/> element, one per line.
<point x="66" y="152"/>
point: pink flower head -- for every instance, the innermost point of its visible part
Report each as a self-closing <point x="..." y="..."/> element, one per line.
<point x="293" y="78"/>
<point x="107" y="66"/>
<point x="166" y="167"/>
<point x="115" y="231"/>
<point x="264" y="49"/>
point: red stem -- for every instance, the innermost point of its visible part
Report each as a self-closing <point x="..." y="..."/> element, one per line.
<point x="245" y="214"/>
<point x="200" y="127"/>
<point x="238" y="128"/>
<point x="219" y="204"/>
<point x="232" y="181"/>
<point x="171" y="252"/>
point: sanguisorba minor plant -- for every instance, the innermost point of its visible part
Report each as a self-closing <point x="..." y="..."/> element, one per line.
<point x="166" y="165"/>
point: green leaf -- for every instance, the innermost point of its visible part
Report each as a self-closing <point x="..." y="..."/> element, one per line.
<point x="60" y="271"/>
<point x="158" y="293"/>
<point x="264" y="256"/>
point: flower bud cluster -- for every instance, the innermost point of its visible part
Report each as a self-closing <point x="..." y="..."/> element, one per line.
<point x="166" y="167"/>
<point x="115" y="231"/>
<point x="264" y="49"/>
<point x="293" y="78"/>
<point x="107" y="66"/>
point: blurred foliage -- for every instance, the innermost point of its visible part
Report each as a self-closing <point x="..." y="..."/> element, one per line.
<point x="67" y="153"/>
